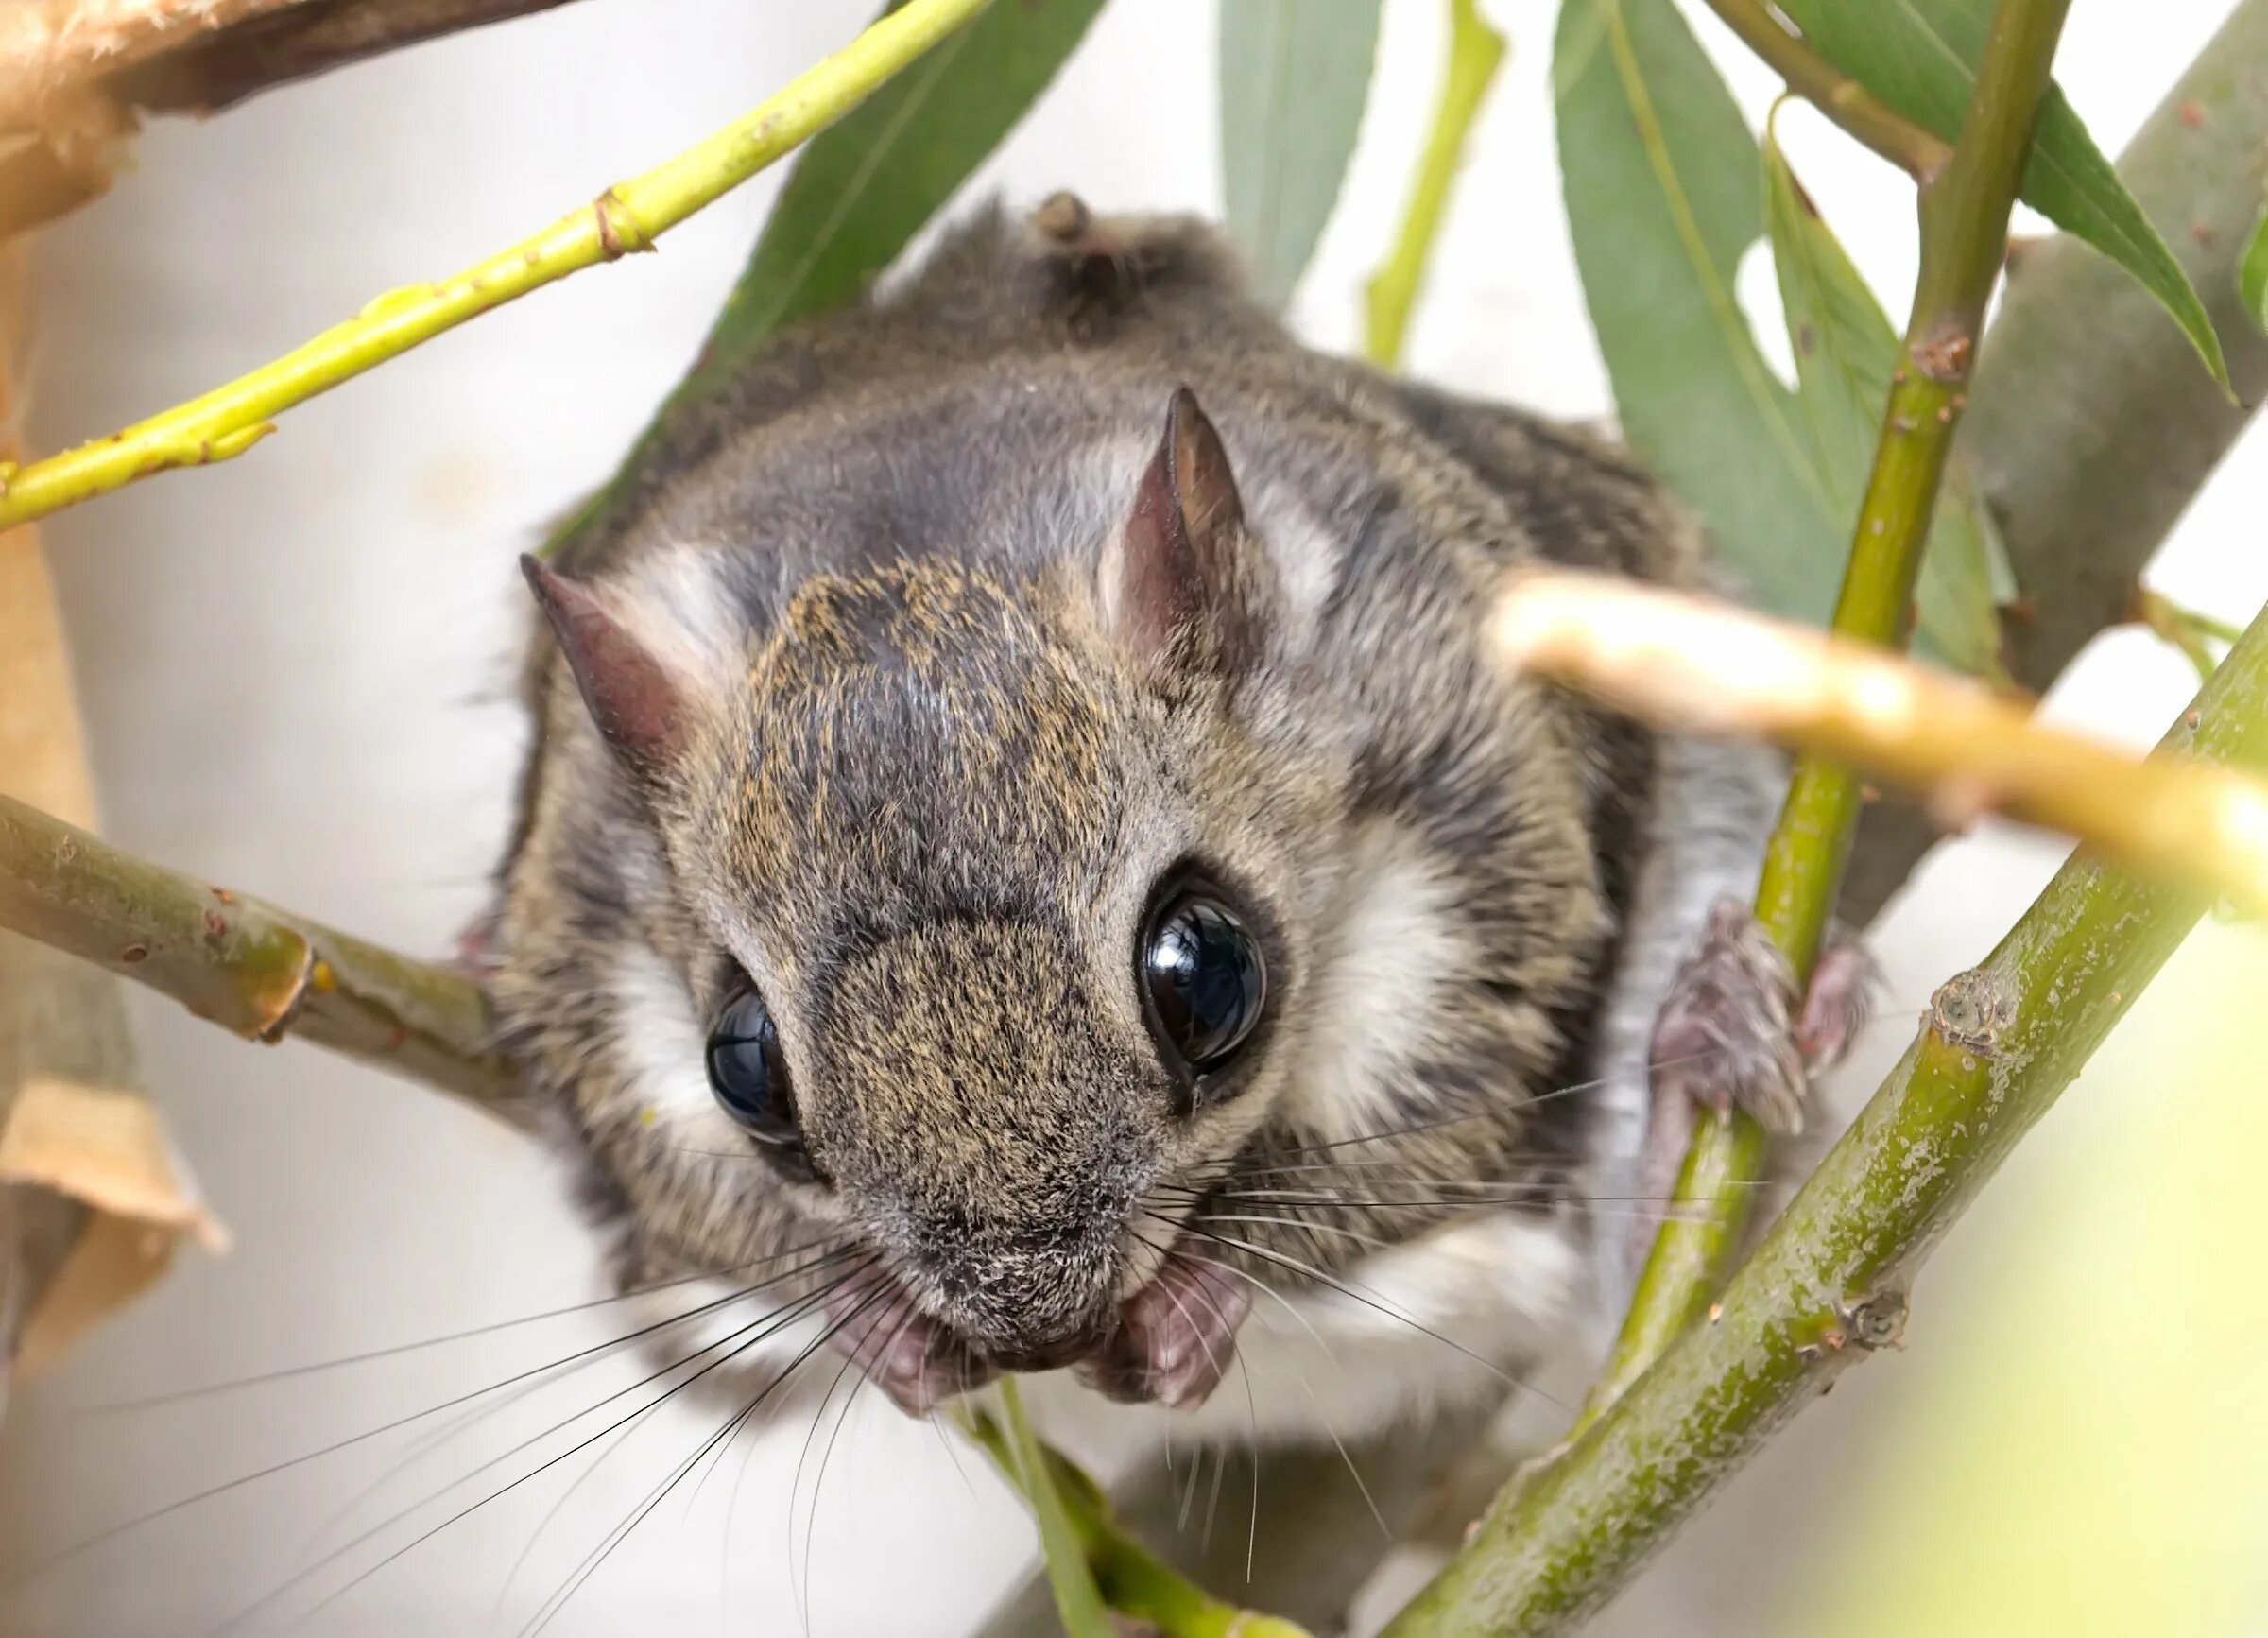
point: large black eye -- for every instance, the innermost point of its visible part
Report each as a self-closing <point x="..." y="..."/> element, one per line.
<point x="749" y="1075"/>
<point x="1204" y="977"/>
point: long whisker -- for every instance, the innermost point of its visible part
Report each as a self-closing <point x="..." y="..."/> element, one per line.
<point x="753" y="1332"/>
<point x="1556" y="1198"/>
<point x="1559" y="1160"/>
<point x="1316" y="1337"/>
<point x="174" y="1396"/>
<point x="622" y="1533"/>
<point x="504" y="1591"/>
<point x="1305" y="1384"/>
<point x="795" y="1483"/>
<point x="79" y="1548"/>
<point x="1373" y="1302"/>
<point x="1293" y="1223"/>
<point x="1494" y="1107"/>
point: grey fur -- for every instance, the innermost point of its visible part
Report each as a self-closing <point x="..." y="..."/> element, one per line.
<point x="925" y="788"/>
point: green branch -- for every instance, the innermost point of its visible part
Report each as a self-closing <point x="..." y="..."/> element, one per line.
<point x="1922" y="153"/>
<point x="2088" y="455"/>
<point x="1475" y="52"/>
<point x="628" y="216"/>
<point x="2196" y="635"/>
<point x="247" y="965"/>
<point x="1078" y="1529"/>
<point x="1828" y="1286"/>
<point x="1965" y="209"/>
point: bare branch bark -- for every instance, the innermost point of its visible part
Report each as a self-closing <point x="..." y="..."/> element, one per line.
<point x="247" y="965"/>
<point x="1715" y="668"/>
<point x="297" y="41"/>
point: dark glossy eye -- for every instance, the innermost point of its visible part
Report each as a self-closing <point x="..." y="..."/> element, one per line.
<point x="1204" y="977"/>
<point x="749" y="1073"/>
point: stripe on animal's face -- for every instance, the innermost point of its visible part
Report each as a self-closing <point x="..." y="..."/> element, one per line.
<point x="921" y="716"/>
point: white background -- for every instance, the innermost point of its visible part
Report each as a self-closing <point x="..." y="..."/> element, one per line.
<point x="293" y="668"/>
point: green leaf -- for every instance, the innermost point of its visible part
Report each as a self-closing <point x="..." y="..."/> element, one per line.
<point x="1845" y="349"/>
<point x="1293" y="78"/>
<point x="2252" y="275"/>
<point x="1664" y="192"/>
<point x="862" y="189"/>
<point x="1917" y="56"/>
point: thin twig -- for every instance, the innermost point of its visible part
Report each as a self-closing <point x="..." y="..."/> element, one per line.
<point x="1475" y="52"/>
<point x="246" y="965"/>
<point x="1714" y="669"/>
<point x="1828" y="1285"/>
<point x="1078" y="1606"/>
<point x="1922" y="153"/>
<point x="1965" y="209"/>
<point x="629" y="216"/>
<point x="2196" y="635"/>
<point x="1133" y="1580"/>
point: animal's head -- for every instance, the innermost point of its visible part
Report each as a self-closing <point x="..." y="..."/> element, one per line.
<point x="1000" y="907"/>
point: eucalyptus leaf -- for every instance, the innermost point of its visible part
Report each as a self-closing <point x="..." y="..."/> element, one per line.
<point x="2252" y="275"/>
<point x="1845" y="351"/>
<point x="1664" y="192"/>
<point x="861" y="190"/>
<point x="1294" y="77"/>
<point x="1918" y="55"/>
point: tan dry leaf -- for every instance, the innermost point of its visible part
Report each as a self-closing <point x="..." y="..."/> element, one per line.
<point x="93" y="1200"/>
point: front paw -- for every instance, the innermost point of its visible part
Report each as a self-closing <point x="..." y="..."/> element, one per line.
<point x="1734" y="1033"/>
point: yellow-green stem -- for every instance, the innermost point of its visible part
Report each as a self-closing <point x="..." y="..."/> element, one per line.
<point x="1133" y="1581"/>
<point x="1828" y="1285"/>
<point x="1062" y="1543"/>
<point x="1475" y="52"/>
<point x="628" y="216"/>
<point x="1918" y="151"/>
<point x="1965" y="209"/>
<point x="2193" y="633"/>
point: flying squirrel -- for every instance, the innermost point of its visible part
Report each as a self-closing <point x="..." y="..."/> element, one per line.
<point x="1027" y="853"/>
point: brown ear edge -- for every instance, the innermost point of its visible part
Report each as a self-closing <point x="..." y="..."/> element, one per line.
<point x="634" y="700"/>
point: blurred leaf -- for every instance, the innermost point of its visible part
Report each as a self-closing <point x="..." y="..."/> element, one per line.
<point x="1917" y="56"/>
<point x="862" y="189"/>
<point x="1293" y="78"/>
<point x="1664" y="192"/>
<point x="1845" y="349"/>
<point x="2252" y="275"/>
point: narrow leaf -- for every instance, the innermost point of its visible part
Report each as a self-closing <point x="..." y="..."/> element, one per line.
<point x="1294" y="77"/>
<point x="2252" y="275"/>
<point x="1845" y="349"/>
<point x="861" y="190"/>
<point x="1918" y="55"/>
<point x="1663" y="188"/>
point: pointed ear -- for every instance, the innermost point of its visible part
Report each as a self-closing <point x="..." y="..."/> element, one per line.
<point x="638" y="700"/>
<point x="1186" y="586"/>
